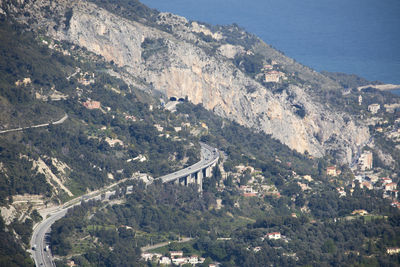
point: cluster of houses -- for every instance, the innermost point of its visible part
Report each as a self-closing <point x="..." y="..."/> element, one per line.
<point x="374" y="108"/>
<point x="259" y="190"/>
<point x="368" y="180"/>
<point x="256" y="187"/>
<point x="372" y="182"/>
<point x="175" y="257"/>
<point x="86" y="78"/>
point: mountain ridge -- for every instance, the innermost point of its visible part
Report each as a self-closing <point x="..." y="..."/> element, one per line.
<point x="187" y="63"/>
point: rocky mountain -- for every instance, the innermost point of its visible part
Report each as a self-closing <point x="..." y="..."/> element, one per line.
<point x="224" y="68"/>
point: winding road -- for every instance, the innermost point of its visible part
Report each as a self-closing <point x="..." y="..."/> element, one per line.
<point x="41" y="253"/>
<point x="35" y="126"/>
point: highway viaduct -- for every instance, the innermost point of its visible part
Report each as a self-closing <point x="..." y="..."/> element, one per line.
<point x="195" y="173"/>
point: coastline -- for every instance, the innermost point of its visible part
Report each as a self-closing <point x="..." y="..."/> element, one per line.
<point x="382" y="87"/>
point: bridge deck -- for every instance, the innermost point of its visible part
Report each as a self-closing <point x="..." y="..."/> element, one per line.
<point x="209" y="156"/>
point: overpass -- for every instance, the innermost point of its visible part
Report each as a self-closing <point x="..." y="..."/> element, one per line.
<point x="195" y="173"/>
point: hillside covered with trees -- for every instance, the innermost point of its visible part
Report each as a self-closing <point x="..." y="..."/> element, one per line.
<point x="71" y="124"/>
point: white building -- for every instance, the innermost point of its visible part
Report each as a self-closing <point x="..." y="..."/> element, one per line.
<point x="165" y="260"/>
<point x="114" y="142"/>
<point x="390" y="186"/>
<point x="176" y="253"/>
<point x="179" y="261"/>
<point x="274" y="236"/>
<point x="365" y="161"/>
<point x="386" y="180"/>
<point x="373" y="108"/>
<point x="150" y="256"/>
<point x="392" y="251"/>
<point x="193" y="260"/>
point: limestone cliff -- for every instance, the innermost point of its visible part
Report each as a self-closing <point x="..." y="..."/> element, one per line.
<point x="187" y="59"/>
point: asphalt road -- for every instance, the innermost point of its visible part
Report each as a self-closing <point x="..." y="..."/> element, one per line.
<point x="209" y="156"/>
<point x="35" y="126"/>
<point x="41" y="256"/>
<point x="44" y="258"/>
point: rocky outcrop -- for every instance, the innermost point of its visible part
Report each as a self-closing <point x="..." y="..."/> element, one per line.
<point x="194" y="61"/>
<point x="51" y="178"/>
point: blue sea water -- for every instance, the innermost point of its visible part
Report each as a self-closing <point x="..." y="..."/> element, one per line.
<point x="396" y="92"/>
<point x="352" y="36"/>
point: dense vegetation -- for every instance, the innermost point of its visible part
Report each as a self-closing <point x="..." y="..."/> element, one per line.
<point x="164" y="212"/>
<point x="11" y="252"/>
<point x="81" y="141"/>
<point x="326" y="234"/>
<point x="19" y="179"/>
<point x="21" y="58"/>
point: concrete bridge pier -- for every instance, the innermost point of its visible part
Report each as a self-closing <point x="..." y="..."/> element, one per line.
<point x="183" y="181"/>
<point x="191" y="178"/>
<point x="199" y="180"/>
<point x="204" y="172"/>
<point x="208" y="171"/>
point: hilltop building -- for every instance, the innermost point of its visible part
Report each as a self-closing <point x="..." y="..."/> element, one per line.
<point x="273" y="76"/>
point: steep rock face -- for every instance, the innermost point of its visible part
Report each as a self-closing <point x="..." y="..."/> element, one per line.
<point x="178" y="63"/>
